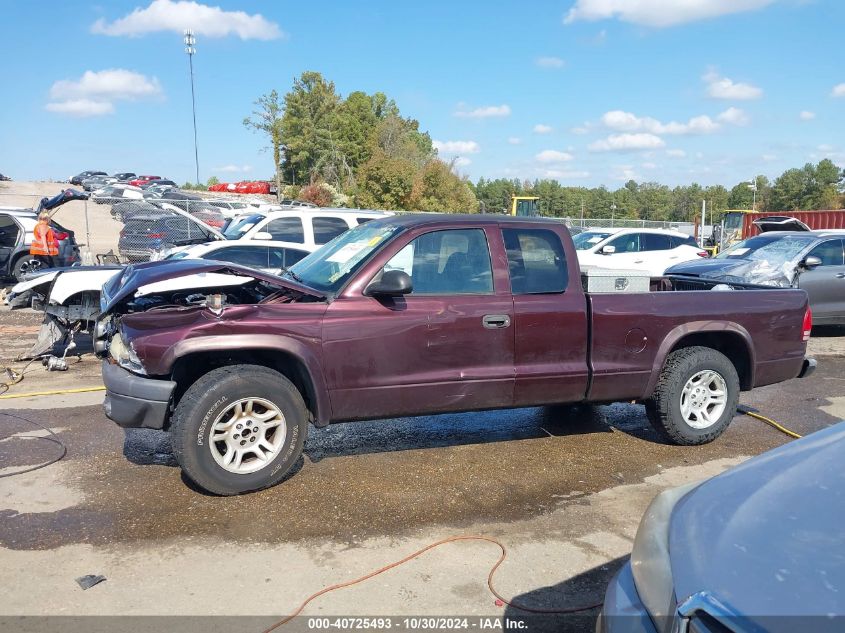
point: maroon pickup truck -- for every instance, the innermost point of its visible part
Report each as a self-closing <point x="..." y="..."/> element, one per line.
<point x="422" y="314"/>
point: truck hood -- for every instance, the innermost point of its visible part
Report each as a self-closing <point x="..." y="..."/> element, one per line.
<point x="766" y="538"/>
<point x="185" y="275"/>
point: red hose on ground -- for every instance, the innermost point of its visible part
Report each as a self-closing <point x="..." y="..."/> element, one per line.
<point x="425" y="549"/>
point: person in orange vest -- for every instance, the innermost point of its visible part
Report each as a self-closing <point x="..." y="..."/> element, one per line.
<point x="44" y="245"/>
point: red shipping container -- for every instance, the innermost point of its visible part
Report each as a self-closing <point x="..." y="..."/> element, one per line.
<point x="816" y="220"/>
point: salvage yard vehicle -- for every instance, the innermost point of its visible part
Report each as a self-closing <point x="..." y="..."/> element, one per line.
<point x="651" y="250"/>
<point x="272" y="257"/>
<point x="16" y="232"/>
<point x="421" y="314"/>
<point x="757" y="548"/>
<point x="811" y="260"/>
<point x="311" y="227"/>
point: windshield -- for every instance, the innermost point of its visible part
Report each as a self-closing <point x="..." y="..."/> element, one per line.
<point x="329" y="267"/>
<point x="241" y="225"/>
<point x="781" y="249"/>
<point x="588" y="239"/>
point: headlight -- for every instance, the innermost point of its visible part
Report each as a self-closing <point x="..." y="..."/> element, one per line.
<point x="650" y="561"/>
<point x="125" y="355"/>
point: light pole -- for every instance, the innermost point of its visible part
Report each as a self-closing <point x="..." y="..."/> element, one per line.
<point x="612" y="213"/>
<point x="752" y="184"/>
<point x="190" y="40"/>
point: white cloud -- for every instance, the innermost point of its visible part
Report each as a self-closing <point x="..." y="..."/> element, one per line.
<point x="734" y="116"/>
<point x="649" y="166"/>
<point x="628" y="122"/>
<point x="81" y="107"/>
<point x="484" y="112"/>
<point x="232" y="169"/>
<point x="95" y="92"/>
<point x="769" y="157"/>
<point x="806" y="115"/>
<point x="626" y="143"/>
<point x="178" y="15"/>
<point x="461" y="161"/>
<point x="658" y="13"/>
<point x="838" y="90"/>
<point x="553" y="156"/>
<point x="676" y="153"/>
<point x="581" y="129"/>
<point x="456" y="147"/>
<point x="514" y="140"/>
<point x="719" y="87"/>
<point x="550" y="62"/>
<point x="541" y="128"/>
<point x="566" y="174"/>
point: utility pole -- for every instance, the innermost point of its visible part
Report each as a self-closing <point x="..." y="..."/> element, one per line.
<point x="753" y="186"/>
<point x="190" y="40"/>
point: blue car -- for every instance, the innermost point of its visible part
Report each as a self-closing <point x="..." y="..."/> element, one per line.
<point x="760" y="547"/>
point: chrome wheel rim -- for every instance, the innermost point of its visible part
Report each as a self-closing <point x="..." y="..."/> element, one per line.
<point x="247" y="435"/>
<point x="703" y="399"/>
<point x="28" y="266"/>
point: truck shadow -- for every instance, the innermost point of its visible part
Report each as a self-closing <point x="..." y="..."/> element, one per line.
<point x="584" y="589"/>
<point x="150" y="447"/>
<point x="476" y="427"/>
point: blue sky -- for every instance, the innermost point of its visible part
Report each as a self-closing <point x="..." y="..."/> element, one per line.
<point x="586" y="91"/>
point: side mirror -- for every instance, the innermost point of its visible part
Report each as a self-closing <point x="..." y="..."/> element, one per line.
<point x="262" y="235"/>
<point x="810" y="262"/>
<point x="393" y="283"/>
<point x="608" y="250"/>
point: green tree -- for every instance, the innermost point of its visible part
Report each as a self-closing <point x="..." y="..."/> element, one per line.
<point x="307" y="125"/>
<point x="267" y="118"/>
<point x="437" y="188"/>
<point x="385" y="182"/>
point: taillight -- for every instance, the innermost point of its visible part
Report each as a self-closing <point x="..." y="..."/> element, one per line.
<point x="155" y="236"/>
<point x="62" y="235"/>
<point x="808" y="324"/>
<point x="703" y="254"/>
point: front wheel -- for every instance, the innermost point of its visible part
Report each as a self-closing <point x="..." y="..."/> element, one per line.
<point x="696" y="396"/>
<point x="24" y="265"/>
<point x="239" y="428"/>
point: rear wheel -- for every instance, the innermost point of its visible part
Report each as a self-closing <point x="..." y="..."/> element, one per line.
<point x="696" y="396"/>
<point x="239" y="428"/>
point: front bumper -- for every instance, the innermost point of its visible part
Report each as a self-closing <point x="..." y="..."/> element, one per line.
<point x="623" y="612"/>
<point x="807" y="368"/>
<point x="134" y="401"/>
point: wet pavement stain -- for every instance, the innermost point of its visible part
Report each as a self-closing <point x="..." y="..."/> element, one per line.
<point x="376" y="478"/>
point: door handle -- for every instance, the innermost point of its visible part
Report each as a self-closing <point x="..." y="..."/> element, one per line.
<point x="840" y="275"/>
<point x="494" y="321"/>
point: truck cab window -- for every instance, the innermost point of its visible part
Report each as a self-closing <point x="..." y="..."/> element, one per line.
<point x="536" y="261"/>
<point x="447" y="262"/>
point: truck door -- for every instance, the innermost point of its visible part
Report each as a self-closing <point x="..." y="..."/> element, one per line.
<point x="825" y="284"/>
<point x="446" y="346"/>
<point x="550" y="316"/>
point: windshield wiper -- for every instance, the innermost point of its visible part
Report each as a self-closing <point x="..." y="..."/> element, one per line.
<point x="293" y="275"/>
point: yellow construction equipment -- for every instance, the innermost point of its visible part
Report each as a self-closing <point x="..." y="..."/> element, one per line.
<point x="524" y="206"/>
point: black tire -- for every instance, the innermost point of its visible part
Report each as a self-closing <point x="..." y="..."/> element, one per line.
<point x="211" y="396"/>
<point x="664" y="408"/>
<point x="23" y="265"/>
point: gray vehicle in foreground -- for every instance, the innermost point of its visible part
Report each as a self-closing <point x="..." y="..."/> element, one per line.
<point x="811" y="260"/>
<point x="760" y="547"/>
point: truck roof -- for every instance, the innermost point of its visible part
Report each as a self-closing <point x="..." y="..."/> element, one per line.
<point x="419" y="219"/>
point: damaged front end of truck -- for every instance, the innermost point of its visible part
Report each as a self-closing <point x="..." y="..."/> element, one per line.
<point x="182" y="298"/>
